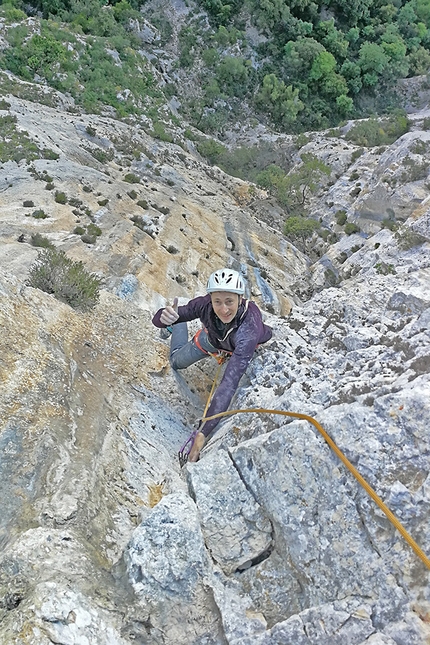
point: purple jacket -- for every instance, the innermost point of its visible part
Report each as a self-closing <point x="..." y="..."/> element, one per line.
<point x="246" y="331"/>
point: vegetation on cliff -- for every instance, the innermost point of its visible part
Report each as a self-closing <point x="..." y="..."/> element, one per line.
<point x="294" y="65"/>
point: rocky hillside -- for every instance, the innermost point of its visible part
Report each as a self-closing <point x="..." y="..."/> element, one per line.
<point x="268" y="539"/>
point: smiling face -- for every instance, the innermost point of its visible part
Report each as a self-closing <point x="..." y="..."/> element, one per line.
<point x="225" y="305"/>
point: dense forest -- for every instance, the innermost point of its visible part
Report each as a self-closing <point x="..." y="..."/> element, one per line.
<point x="296" y="66"/>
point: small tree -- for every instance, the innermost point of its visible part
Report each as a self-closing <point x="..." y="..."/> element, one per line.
<point x="295" y="189"/>
<point x="55" y="273"/>
<point x="298" y="227"/>
<point x="281" y="101"/>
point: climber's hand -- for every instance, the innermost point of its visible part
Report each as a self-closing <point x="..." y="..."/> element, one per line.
<point x="170" y="315"/>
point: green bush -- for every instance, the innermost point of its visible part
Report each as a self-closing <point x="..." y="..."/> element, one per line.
<point x="132" y="194"/>
<point x="391" y="224"/>
<point x="60" y="198"/>
<point x="351" y="228"/>
<point x="159" y="132"/>
<point x="79" y="230"/>
<point x="378" y="132"/>
<point x="300" y="227"/>
<point x="93" y="229"/>
<point x="356" y="154"/>
<point x="340" y="217"/>
<point x="101" y="155"/>
<point x="40" y="240"/>
<point x="211" y="150"/>
<point x="55" y="273"/>
<point x="39" y="214"/>
<point x="130" y="178"/>
<point x="143" y="204"/>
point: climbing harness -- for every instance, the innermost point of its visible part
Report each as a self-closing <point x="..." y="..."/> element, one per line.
<point x="219" y="355"/>
<point x="393" y="519"/>
<point x="184" y="451"/>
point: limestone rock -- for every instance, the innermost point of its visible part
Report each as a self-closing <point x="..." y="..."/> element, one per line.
<point x="168" y="567"/>
<point x="235" y="528"/>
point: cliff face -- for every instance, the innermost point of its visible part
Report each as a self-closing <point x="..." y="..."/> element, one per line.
<point x="268" y="539"/>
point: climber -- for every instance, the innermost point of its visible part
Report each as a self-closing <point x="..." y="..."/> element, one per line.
<point x="231" y="324"/>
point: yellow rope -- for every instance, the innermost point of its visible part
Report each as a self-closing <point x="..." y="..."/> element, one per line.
<point x="203" y="419"/>
<point x="393" y="519"/>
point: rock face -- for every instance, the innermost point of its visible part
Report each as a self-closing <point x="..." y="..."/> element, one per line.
<point x="268" y="539"/>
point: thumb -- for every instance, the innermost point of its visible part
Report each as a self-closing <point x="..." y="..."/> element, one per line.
<point x="175" y="304"/>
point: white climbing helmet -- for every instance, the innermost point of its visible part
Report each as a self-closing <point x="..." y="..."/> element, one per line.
<point x="226" y="280"/>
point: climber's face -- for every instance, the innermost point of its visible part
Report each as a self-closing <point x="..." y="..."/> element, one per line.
<point x="225" y="305"/>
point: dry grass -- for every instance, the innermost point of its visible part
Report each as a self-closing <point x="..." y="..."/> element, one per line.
<point x="155" y="494"/>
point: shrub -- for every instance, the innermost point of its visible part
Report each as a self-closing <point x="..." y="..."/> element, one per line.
<point x="40" y="240"/>
<point x="416" y="171"/>
<point x="79" y="230"/>
<point x="39" y="214"/>
<point x="143" y="204"/>
<point x="60" y="198"/>
<point x="351" y="228"/>
<point x="101" y="155"/>
<point x="55" y="273"/>
<point x="407" y="238"/>
<point x="378" y="132"/>
<point x="356" y="154"/>
<point x="91" y="131"/>
<point x="132" y="194"/>
<point x="391" y="224"/>
<point x="28" y="203"/>
<point x="102" y="202"/>
<point x="211" y="150"/>
<point x="130" y="178"/>
<point x="385" y="269"/>
<point x="160" y="132"/>
<point x="93" y="229"/>
<point x="49" y="186"/>
<point x="50" y="154"/>
<point x="298" y="226"/>
<point x="340" y="217"/>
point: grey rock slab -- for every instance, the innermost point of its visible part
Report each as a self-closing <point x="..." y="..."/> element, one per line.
<point x="410" y="631"/>
<point x="170" y="570"/>
<point x="235" y="527"/>
<point x="348" y="622"/>
<point x="69" y="618"/>
<point x="378" y="639"/>
<point x="318" y="530"/>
